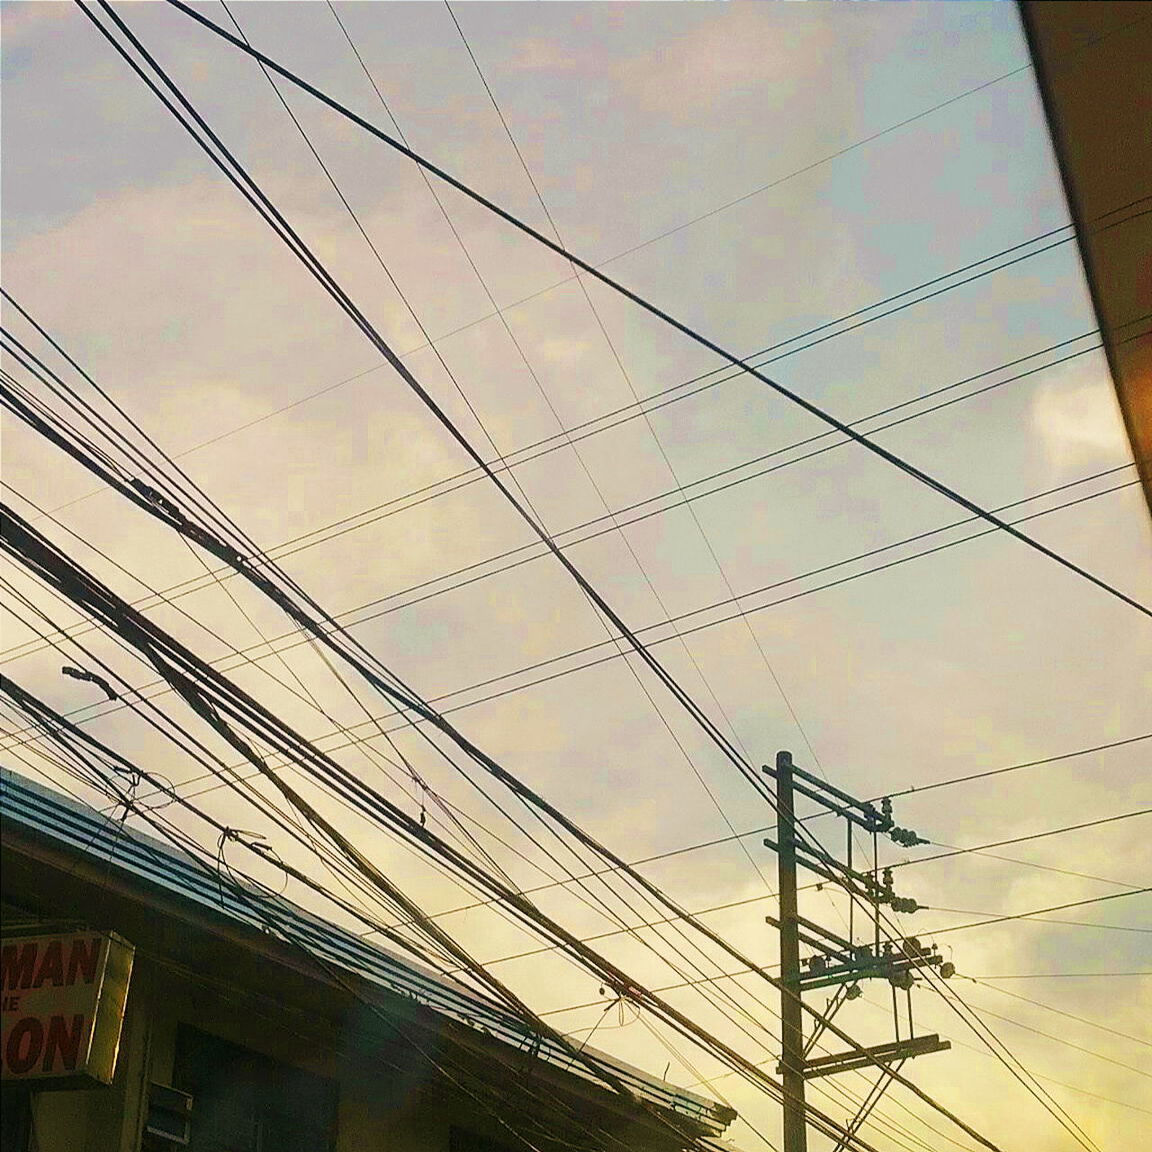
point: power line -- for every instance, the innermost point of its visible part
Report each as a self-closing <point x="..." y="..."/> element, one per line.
<point x="685" y="329"/>
<point x="1063" y="975"/>
<point x="1039" y="912"/>
<point x="590" y="529"/>
<point x="771" y="895"/>
<point x="1059" y="1011"/>
<point x="574" y="573"/>
<point x="693" y="709"/>
<point x="455" y="695"/>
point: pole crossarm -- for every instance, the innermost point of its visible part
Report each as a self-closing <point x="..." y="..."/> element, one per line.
<point x="877" y="1054"/>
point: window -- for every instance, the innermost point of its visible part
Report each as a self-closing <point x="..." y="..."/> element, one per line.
<point x="15" y="1120"/>
<point x="243" y="1101"/>
<point x="460" y="1140"/>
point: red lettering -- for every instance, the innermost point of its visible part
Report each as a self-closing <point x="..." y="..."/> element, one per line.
<point x="63" y="1042"/>
<point x="25" y="1043"/>
<point x="51" y="965"/>
<point x="82" y="960"/>
<point x="17" y="964"/>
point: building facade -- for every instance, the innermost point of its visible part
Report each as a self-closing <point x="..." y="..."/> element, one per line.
<point x="149" y="1007"/>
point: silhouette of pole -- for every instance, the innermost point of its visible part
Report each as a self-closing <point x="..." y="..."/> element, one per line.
<point x="792" y="1055"/>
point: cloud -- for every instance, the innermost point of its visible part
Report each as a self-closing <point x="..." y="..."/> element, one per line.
<point x="739" y="53"/>
<point x="539" y="54"/>
<point x="1077" y="420"/>
<point x="27" y="19"/>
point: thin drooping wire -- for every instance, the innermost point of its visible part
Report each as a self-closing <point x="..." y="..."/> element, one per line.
<point x="687" y="330"/>
<point x="1042" y="911"/>
<point x="1145" y="1041"/>
<point x="447" y="698"/>
<point x="120" y="23"/>
<point x="25" y="542"/>
<point x="1063" y="1040"/>
<point x="369" y="516"/>
<point x="264" y="909"/>
<point x="1018" y="1077"/>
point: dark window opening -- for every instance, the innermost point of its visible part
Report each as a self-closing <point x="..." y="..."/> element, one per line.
<point x="244" y="1101"/>
<point x="15" y="1120"/>
<point x="461" y="1140"/>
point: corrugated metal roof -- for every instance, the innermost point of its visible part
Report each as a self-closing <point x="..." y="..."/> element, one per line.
<point x="82" y="829"/>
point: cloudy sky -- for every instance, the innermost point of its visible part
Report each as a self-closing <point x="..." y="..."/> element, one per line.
<point x="757" y="170"/>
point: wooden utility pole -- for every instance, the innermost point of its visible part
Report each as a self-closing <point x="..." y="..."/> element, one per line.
<point x="837" y="961"/>
<point x="791" y="1016"/>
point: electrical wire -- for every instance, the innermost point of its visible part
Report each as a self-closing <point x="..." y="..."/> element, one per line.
<point x="26" y="542"/>
<point x="450" y="698"/>
<point x="579" y="533"/>
<point x="1147" y="1043"/>
<point x="994" y="919"/>
<point x="687" y="330"/>
<point x="120" y="23"/>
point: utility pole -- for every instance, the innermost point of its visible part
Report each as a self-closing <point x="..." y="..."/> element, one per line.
<point x="791" y="1014"/>
<point x="837" y="961"/>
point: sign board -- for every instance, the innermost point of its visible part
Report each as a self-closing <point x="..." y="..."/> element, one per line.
<point x="63" y="1007"/>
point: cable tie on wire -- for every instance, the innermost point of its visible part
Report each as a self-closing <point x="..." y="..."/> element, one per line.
<point x="159" y="500"/>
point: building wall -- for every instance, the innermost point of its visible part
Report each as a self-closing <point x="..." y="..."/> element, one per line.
<point x="386" y="1053"/>
<point x="1092" y="62"/>
<point x="379" y="1107"/>
<point x="372" y="1114"/>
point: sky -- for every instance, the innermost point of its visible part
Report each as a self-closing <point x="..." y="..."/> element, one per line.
<point x="756" y="170"/>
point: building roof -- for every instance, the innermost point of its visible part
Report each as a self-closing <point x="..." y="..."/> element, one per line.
<point x="1091" y="59"/>
<point x="79" y="829"/>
